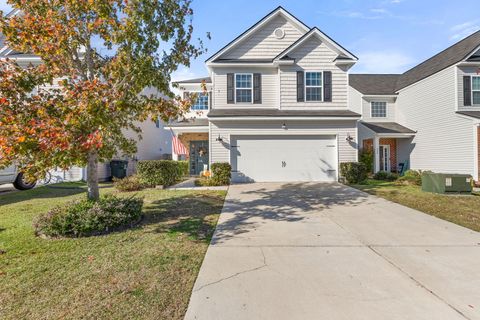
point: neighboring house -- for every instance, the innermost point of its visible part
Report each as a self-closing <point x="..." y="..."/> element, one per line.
<point x="155" y="142"/>
<point x="427" y="118"/>
<point x="281" y="106"/>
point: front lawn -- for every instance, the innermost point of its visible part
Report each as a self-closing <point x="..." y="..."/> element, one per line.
<point x="460" y="209"/>
<point x="144" y="273"/>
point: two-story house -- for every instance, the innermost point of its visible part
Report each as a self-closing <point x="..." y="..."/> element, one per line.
<point x="426" y="118"/>
<point x="277" y="105"/>
<point x="282" y="106"/>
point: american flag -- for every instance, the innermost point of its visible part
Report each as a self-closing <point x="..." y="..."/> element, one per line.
<point x="177" y="145"/>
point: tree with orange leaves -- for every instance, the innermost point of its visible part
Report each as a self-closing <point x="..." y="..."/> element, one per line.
<point x="101" y="55"/>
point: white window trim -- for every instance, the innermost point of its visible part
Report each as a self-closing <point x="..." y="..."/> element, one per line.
<point x="305" y="85"/>
<point x="235" y="86"/>
<point x="471" y="86"/>
<point x="371" y="109"/>
<point x="208" y="100"/>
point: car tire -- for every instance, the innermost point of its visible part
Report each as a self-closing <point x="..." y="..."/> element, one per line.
<point x="21" y="184"/>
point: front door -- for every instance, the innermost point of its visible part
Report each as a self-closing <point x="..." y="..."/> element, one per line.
<point x="385" y="158"/>
<point x="198" y="156"/>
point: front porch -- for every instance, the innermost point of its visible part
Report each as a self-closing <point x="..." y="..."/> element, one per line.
<point x="193" y="135"/>
<point x="390" y="145"/>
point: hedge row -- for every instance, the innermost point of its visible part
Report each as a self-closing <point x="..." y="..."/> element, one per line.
<point x="161" y="172"/>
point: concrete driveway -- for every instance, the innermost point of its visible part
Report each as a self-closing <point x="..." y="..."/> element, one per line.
<point x="326" y="251"/>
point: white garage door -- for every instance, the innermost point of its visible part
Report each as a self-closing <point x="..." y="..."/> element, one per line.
<point x="284" y="158"/>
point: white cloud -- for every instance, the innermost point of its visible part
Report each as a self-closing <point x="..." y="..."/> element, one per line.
<point x="383" y="62"/>
<point x="462" y="30"/>
<point x="184" y="73"/>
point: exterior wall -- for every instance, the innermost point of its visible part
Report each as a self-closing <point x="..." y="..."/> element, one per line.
<point x="185" y="138"/>
<point x="478" y="154"/>
<point x="270" y="86"/>
<point x="355" y="100"/>
<point x="313" y="55"/>
<point x="263" y="44"/>
<point x="367" y="110"/>
<point x="220" y="151"/>
<point x="444" y="141"/>
<point x="363" y="134"/>
<point x="465" y="71"/>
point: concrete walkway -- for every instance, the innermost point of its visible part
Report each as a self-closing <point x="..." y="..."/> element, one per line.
<point x="326" y="251"/>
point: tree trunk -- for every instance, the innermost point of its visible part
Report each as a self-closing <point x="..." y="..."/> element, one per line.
<point x="92" y="176"/>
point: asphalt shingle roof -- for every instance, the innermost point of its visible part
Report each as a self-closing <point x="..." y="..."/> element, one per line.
<point x="387" y="127"/>
<point x="254" y="112"/>
<point x="374" y="84"/>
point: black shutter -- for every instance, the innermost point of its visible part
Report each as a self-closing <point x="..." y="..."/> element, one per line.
<point x="257" y="88"/>
<point x="327" y="86"/>
<point x="467" y="91"/>
<point x="210" y="100"/>
<point x="230" y="88"/>
<point x="300" y="86"/>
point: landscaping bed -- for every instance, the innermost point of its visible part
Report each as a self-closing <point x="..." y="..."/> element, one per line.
<point x="463" y="210"/>
<point x="145" y="272"/>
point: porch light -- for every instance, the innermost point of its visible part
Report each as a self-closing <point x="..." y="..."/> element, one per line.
<point x="219" y="139"/>
<point x="349" y="138"/>
<point x="284" y="126"/>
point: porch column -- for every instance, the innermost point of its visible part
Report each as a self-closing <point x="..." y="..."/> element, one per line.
<point x="376" y="154"/>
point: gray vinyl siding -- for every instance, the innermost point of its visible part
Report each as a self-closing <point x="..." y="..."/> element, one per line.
<point x="220" y="151"/>
<point x="263" y="44"/>
<point x="313" y="55"/>
<point x="355" y="100"/>
<point x="269" y="87"/>
<point x="465" y="71"/>
<point x="444" y="141"/>
<point x="367" y="110"/>
<point x="364" y="133"/>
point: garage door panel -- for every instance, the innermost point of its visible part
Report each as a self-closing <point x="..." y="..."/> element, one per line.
<point x="284" y="158"/>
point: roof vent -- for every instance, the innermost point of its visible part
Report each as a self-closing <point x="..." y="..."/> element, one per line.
<point x="279" y="33"/>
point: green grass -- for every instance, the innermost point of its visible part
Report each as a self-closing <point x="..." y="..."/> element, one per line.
<point x="460" y="209"/>
<point x="143" y="273"/>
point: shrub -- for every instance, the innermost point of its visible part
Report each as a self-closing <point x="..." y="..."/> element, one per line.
<point x="159" y="172"/>
<point x="366" y="157"/>
<point x="131" y="183"/>
<point x="85" y="217"/>
<point x="353" y="172"/>
<point x="384" y="175"/>
<point x="221" y="172"/>
<point x="184" y="168"/>
<point x="413" y="177"/>
<point x="207" y="182"/>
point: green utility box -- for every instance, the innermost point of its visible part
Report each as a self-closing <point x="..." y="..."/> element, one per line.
<point x="118" y="168"/>
<point x="446" y="183"/>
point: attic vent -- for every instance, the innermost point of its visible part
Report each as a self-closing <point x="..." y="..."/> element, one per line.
<point x="279" y="33"/>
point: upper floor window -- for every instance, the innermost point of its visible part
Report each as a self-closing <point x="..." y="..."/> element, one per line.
<point x="243" y="87"/>
<point x="202" y="102"/>
<point x="379" y="109"/>
<point x="313" y="86"/>
<point x="476" y="89"/>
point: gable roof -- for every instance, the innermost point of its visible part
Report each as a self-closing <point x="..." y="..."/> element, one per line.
<point x="343" y="53"/>
<point x="249" y="31"/>
<point x="448" y="57"/>
<point x="374" y="84"/>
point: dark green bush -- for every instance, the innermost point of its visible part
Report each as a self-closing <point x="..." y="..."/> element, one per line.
<point x="353" y="172"/>
<point x="159" y="172"/>
<point x="131" y="183"/>
<point x="384" y="175"/>
<point x="366" y="157"/>
<point x="184" y="167"/>
<point x="84" y="217"/>
<point x="413" y="177"/>
<point x="207" y="182"/>
<point x="221" y="173"/>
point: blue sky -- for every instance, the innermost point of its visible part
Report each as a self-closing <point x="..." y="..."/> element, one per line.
<point x="388" y="36"/>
